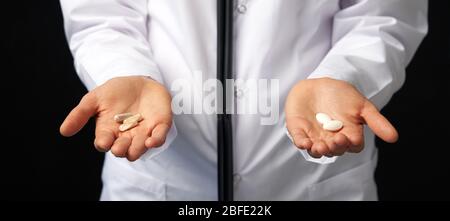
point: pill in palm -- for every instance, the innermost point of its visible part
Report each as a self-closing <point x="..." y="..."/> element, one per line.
<point x="133" y="118"/>
<point x="328" y="123"/>
<point x="322" y="118"/>
<point x="119" y="118"/>
<point x="333" y="125"/>
<point x="128" y="120"/>
<point x="126" y="126"/>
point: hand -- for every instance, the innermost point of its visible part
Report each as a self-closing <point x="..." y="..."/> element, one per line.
<point x="341" y="101"/>
<point x="120" y="95"/>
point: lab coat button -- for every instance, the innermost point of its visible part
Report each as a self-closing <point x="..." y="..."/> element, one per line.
<point x="236" y="178"/>
<point x="239" y="93"/>
<point x="242" y="8"/>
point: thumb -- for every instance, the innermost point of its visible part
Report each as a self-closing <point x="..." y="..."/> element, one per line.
<point x="378" y="123"/>
<point x="79" y="116"/>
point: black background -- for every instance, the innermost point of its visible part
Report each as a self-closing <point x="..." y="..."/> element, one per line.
<point x="40" y="86"/>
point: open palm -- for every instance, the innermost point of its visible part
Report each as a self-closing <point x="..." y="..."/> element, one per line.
<point x="342" y="102"/>
<point x="120" y="95"/>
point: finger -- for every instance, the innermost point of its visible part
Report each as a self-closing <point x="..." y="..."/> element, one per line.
<point x="341" y="144"/>
<point x="104" y="139"/>
<point x="320" y="148"/>
<point x="356" y="143"/>
<point x="297" y="129"/>
<point x="314" y="154"/>
<point x="378" y="123"/>
<point x="301" y="139"/>
<point x="355" y="137"/>
<point x="158" y="136"/>
<point x="332" y="148"/>
<point x="137" y="147"/>
<point x="79" y="116"/>
<point x="120" y="146"/>
<point x="330" y="144"/>
<point x="104" y="133"/>
<point x="305" y="143"/>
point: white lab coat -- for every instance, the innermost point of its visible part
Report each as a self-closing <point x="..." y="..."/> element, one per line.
<point x="365" y="42"/>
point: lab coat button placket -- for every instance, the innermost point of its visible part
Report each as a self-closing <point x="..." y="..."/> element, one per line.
<point x="241" y="8"/>
<point x="239" y="92"/>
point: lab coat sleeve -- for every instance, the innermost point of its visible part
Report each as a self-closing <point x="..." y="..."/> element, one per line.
<point x="108" y="38"/>
<point x="372" y="43"/>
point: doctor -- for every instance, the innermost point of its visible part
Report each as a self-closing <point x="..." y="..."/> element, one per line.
<point x="341" y="57"/>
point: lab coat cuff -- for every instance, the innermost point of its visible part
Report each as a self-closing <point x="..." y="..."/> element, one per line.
<point x="92" y="75"/>
<point x="378" y="92"/>
<point x="343" y="75"/>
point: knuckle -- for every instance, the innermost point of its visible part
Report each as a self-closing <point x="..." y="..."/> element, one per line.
<point x="87" y="97"/>
<point x="295" y="131"/>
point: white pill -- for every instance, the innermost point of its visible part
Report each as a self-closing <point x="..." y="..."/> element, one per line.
<point x="127" y="126"/>
<point x="134" y="118"/>
<point x="333" y="125"/>
<point x="119" y="118"/>
<point x="322" y="118"/>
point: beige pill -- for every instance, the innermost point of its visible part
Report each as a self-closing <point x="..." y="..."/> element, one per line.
<point x="119" y="118"/>
<point x="333" y="125"/>
<point x="127" y="126"/>
<point x="322" y="118"/>
<point x="134" y="118"/>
